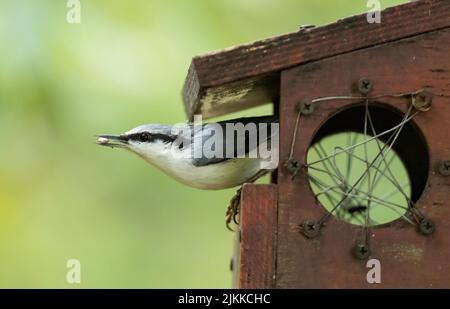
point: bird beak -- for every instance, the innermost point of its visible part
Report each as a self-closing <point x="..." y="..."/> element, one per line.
<point x="120" y="141"/>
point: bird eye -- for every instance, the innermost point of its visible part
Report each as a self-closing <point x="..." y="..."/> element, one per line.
<point x="144" y="137"/>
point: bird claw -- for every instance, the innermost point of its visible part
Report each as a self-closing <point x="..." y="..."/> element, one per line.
<point x="232" y="213"/>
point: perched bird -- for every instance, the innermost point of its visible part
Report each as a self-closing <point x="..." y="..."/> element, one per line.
<point x="208" y="156"/>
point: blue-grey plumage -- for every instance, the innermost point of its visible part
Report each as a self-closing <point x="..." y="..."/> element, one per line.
<point x="179" y="150"/>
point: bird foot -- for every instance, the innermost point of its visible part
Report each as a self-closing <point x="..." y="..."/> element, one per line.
<point x="232" y="213"/>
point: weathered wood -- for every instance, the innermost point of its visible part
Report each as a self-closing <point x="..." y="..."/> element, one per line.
<point x="248" y="75"/>
<point x="233" y="97"/>
<point x="408" y="259"/>
<point x="257" y="241"/>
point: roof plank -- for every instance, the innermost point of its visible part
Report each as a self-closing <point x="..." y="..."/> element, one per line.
<point x="247" y="75"/>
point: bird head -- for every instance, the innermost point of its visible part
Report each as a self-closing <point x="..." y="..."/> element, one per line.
<point x="150" y="141"/>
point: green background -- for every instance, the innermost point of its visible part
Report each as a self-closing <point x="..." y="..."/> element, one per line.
<point x="63" y="197"/>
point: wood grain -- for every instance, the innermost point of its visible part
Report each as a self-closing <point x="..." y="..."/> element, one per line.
<point x="257" y="246"/>
<point x="247" y="75"/>
<point x="408" y="259"/>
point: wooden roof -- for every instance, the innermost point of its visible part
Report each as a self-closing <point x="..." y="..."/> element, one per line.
<point x="248" y="75"/>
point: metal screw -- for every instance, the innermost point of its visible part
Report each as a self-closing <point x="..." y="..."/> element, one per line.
<point x="426" y="226"/>
<point x="362" y="251"/>
<point x="306" y="108"/>
<point x="310" y="229"/>
<point x="444" y="168"/>
<point x="305" y="27"/>
<point x="423" y="101"/>
<point x="292" y="166"/>
<point x="364" y="85"/>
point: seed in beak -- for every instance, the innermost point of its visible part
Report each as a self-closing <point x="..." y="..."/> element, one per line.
<point x="102" y="140"/>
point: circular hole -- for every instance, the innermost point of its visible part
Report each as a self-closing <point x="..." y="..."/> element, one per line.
<point x="356" y="181"/>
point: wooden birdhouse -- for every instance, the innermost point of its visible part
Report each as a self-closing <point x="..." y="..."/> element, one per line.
<point x="363" y="178"/>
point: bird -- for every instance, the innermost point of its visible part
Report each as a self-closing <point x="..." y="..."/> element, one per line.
<point x="207" y="156"/>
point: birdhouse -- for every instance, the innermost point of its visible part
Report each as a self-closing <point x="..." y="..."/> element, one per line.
<point x="360" y="198"/>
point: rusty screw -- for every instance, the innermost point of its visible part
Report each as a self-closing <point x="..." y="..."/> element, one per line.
<point x="364" y="85"/>
<point x="306" y="108"/>
<point x="444" y="168"/>
<point x="423" y="101"/>
<point x="361" y="251"/>
<point x="310" y="229"/>
<point x="292" y="166"/>
<point x="306" y="27"/>
<point x="426" y="226"/>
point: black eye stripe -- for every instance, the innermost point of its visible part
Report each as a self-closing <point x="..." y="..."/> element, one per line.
<point x="151" y="137"/>
<point x="145" y="137"/>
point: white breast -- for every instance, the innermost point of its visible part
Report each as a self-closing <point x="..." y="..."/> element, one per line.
<point x="226" y="174"/>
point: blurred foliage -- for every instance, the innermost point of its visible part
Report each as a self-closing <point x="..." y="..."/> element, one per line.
<point x="61" y="196"/>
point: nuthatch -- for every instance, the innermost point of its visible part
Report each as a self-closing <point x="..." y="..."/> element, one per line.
<point x="207" y="156"/>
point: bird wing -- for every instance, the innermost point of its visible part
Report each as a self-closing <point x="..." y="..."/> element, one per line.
<point x="259" y="131"/>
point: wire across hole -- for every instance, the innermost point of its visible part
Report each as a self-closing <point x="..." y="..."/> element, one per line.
<point x="364" y="172"/>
